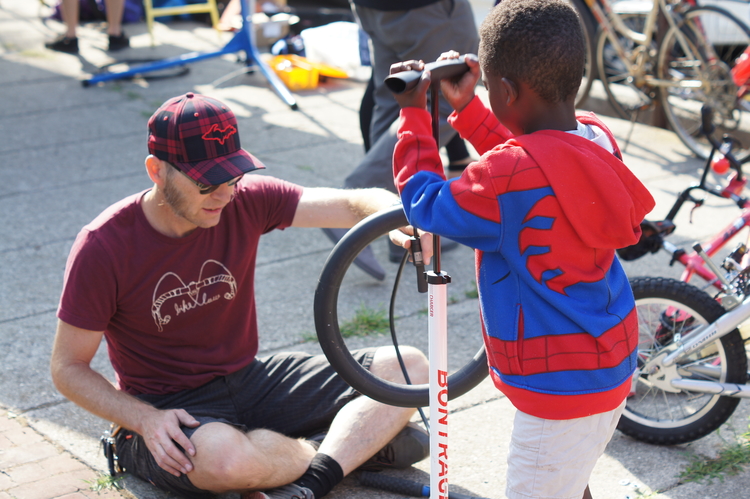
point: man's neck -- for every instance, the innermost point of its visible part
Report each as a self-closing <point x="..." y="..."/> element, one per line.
<point x="162" y="217"/>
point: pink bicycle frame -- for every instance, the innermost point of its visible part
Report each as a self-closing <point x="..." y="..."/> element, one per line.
<point x="694" y="264"/>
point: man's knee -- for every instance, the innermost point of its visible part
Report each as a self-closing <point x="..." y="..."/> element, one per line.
<point x="223" y="455"/>
<point x="385" y="365"/>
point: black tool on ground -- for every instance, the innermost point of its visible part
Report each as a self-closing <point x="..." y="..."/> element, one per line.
<point x="110" y="450"/>
<point x="402" y="486"/>
<point x="439" y="70"/>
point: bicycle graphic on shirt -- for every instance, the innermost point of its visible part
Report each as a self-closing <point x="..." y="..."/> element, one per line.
<point x="192" y="291"/>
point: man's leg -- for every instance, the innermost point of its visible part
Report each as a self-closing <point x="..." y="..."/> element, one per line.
<point x="115" y="9"/>
<point x="361" y="429"/>
<point x="117" y="38"/>
<point x="67" y="42"/>
<point x="364" y="426"/>
<point x="69" y="10"/>
<point x="229" y="459"/>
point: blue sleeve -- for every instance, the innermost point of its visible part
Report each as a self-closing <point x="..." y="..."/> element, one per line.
<point x="430" y="205"/>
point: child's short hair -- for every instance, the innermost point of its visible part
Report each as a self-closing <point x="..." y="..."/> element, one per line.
<point x="539" y="42"/>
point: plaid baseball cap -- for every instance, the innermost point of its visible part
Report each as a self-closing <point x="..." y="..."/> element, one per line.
<point x="198" y="135"/>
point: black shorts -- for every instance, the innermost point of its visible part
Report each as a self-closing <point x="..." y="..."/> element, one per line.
<point x="295" y="394"/>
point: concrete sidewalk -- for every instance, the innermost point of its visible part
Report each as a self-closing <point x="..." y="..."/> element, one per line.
<point x="68" y="152"/>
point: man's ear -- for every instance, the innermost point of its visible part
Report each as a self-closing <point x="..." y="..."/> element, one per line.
<point x="511" y="90"/>
<point x="156" y="169"/>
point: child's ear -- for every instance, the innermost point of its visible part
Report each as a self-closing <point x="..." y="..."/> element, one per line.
<point x="511" y="90"/>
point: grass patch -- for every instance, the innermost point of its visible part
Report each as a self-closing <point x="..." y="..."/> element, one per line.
<point x="730" y="461"/>
<point x="105" y="482"/>
<point x="366" y="321"/>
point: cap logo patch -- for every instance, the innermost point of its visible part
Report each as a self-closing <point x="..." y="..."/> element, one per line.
<point x="219" y="134"/>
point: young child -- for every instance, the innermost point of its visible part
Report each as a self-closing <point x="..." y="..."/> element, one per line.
<point x="545" y="207"/>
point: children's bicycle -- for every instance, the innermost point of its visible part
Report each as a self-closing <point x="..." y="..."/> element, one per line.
<point x="692" y="363"/>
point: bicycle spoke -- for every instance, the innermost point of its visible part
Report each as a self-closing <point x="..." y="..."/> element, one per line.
<point x="669" y="313"/>
<point x="695" y="68"/>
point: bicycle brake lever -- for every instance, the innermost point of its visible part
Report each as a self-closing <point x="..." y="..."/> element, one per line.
<point x="698" y="204"/>
<point x="416" y="255"/>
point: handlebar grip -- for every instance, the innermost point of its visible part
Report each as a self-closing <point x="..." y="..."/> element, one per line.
<point x="416" y="255"/>
<point x="439" y="70"/>
<point x="707" y="124"/>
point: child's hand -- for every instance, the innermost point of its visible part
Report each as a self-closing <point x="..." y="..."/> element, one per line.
<point x="460" y="92"/>
<point x="416" y="97"/>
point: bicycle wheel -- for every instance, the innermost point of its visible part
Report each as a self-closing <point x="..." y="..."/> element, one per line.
<point x="589" y="26"/>
<point x="624" y="75"/>
<point x="326" y="311"/>
<point x="668" y="311"/>
<point x="696" y="59"/>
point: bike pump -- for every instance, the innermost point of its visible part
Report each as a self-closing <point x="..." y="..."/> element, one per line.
<point x="437" y="327"/>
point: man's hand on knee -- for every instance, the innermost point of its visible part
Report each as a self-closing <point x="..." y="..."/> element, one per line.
<point x="162" y="432"/>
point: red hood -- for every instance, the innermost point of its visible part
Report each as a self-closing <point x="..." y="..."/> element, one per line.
<point x="597" y="192"/>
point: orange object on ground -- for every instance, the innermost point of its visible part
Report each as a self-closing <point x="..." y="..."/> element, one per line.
<point x="298" y="73"/>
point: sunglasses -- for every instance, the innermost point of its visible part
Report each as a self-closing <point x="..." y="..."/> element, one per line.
<point x="207" y="189"/>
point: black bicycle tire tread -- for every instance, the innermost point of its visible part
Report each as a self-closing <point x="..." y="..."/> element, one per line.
<point x="710" y="309"/>
<point x="331" y="341"/>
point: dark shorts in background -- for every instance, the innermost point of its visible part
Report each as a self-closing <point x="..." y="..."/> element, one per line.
<point x="295" y="394"/>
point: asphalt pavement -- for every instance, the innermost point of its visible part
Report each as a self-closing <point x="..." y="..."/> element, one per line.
<point x="67" y="152"/>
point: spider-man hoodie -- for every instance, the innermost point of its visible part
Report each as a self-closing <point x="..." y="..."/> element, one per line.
<point x="545" y="212"/>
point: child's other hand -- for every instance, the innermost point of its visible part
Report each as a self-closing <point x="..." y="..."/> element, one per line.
<point x="416" y="97"/>
<point x="460" y="92"/>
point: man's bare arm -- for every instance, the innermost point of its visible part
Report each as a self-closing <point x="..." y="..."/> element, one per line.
<point x="340" y="208"/>
<point x="343" y="208"/>
<point x="70" y="366"/>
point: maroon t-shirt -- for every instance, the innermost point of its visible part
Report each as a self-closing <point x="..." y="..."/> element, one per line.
<point x="176" y="312"/>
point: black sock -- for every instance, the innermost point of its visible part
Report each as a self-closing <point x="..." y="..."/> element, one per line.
<point x="323" y="474"/>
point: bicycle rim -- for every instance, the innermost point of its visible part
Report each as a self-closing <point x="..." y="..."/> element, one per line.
<point x="668" y="311"/>
<point x="696" y="59"/>
<point x="588" y="25"/>
<point x="624" y="78"/>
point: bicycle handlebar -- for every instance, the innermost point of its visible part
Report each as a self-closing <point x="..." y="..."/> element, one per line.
<point x="725" y="148"/>
<point x="439" y="70"/>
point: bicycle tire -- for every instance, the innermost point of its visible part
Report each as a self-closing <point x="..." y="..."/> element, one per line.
<point x="627" y="93"/>
<point x="682" y="104"/>
<point x="589" y="26"/>
<point x="329" y="335"/>
<point x="665" y="307"/>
